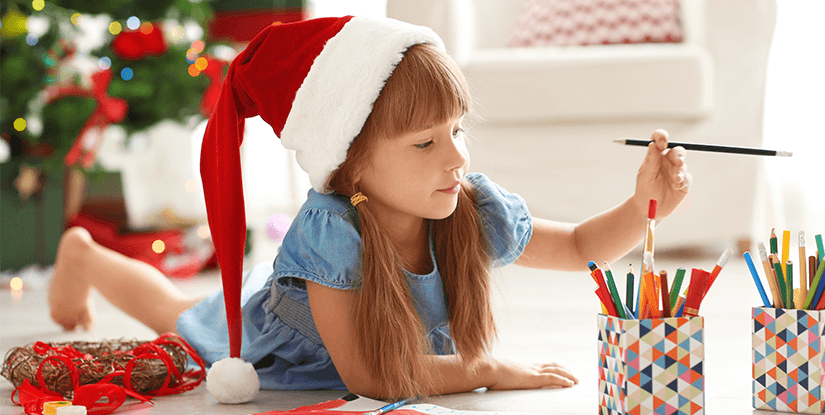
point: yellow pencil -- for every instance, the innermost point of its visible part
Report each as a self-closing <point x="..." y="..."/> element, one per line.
<point x="786" y="246"/>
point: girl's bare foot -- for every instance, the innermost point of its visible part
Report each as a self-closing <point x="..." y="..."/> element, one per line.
<point x="70" y="299"/>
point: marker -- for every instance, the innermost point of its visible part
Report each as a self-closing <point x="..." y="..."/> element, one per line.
<point x="611" y="307"/>
<point x="613" y="291"/>
<point x="718" y="268"/>
<point x="708" y="147"/>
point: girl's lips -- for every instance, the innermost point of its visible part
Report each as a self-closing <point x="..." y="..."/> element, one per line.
<point x="452" y="190"/>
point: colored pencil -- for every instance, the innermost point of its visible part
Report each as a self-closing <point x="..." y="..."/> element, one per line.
<point x="756" y="279"/>
<point x="819" y="249"/>
<point x="390" y="407"/>
<point x="780" y="280"/>
<point x="611" y="285"/>
<point x="769" y="275"/>
<point x="629" y="289"/>
<point x="809" y="300"/>
<point x="677" y="285"/>
<point x="665" y="294"/>
<point x="774" y="242"/>
<point x="786" y="246"/>
<point x="709" y="147"/>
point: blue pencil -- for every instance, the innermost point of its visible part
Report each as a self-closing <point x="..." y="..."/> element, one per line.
<point x="391" y="407"/>
<point x="756" y="279"/>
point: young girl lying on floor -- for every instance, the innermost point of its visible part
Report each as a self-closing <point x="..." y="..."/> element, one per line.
<point x="382" y="284"/>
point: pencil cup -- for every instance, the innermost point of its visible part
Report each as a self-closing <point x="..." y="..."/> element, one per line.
<point x="651" y="366"/>
<point x="787" y="359"/>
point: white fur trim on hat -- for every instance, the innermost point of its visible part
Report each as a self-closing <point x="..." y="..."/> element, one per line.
<point x="337" y="94"/>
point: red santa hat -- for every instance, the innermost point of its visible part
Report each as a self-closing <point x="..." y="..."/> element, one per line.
<point x="315" y="83"/>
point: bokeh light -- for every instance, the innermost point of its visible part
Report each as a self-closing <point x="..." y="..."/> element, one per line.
<point x="198" y="46"/>
<point x="16" y="284"/>
<point x="203" y="231"/>
<point x="146" y="28"/>
<point x="38" y="5"/>
<point x="115" y="28"/>
<point x="201" y="63"/>
<point x="193" y="70"/>
<point x="76" y="18"/>
<point x="158" y="246"/>
<point x="31" y="39"/>
<point x="19" y="124"/>
<point x="133" y="23"/>
<point x="191" y="56"/>
<point x="104" y="63"/>
<point x="127" y="74"/>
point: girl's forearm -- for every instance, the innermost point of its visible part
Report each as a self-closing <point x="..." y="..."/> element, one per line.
<point x="605" y="237"/>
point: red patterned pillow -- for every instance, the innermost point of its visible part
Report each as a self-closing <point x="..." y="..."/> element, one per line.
<point x="594" y="22"/>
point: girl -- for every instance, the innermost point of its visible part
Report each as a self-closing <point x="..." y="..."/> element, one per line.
<point x="381" y="285"/>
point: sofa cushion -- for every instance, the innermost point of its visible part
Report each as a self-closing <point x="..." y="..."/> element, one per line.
<point x="593" y="22"/>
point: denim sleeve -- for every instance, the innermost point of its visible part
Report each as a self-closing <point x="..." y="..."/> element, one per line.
<point x="507" y="222"/>
<point x="321" y="246"/>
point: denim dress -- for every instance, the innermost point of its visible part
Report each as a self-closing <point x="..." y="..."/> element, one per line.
<point x="323" y="246"/>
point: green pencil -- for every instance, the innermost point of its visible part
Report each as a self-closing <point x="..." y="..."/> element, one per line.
<point x="611" y="285"/>
<point x="677" y="285"/>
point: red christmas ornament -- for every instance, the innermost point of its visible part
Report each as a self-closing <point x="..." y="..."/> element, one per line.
<point x="134" y="45"/>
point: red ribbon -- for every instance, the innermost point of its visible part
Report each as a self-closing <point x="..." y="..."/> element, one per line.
<point x="104" y="397"/>
<point x="108" y="111"/>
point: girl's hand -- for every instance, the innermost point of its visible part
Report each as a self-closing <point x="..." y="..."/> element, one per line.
<point x="663" y="175"/>
<point x="511" y="375"/>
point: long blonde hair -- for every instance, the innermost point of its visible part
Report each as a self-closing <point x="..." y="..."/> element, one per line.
<point x="425" y="88"/>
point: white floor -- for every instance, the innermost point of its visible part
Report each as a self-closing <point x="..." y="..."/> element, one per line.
<point x="542" y="316"/>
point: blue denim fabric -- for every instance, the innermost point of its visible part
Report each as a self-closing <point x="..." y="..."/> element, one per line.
<point x="323" y="245"/>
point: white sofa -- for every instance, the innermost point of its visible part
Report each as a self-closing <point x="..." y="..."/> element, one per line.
<point x="548" y="115"/>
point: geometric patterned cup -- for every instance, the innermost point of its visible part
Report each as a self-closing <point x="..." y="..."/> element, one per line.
<point x="651" y="366"/>
<point x="787" y="359"/>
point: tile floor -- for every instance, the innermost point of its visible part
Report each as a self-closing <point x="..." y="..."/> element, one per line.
<point x="542" y="316"/>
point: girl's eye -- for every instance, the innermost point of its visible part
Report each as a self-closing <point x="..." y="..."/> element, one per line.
<point x="422" y="146"/>
<point x="457" y="132"/>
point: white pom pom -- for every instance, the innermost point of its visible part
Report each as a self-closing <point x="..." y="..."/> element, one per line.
<point x="231" y="380"/>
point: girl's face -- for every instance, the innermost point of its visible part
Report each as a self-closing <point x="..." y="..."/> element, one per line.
<point x="417" y="174"/>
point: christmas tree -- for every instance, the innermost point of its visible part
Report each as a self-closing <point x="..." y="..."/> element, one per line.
<point x="71" y="68"/>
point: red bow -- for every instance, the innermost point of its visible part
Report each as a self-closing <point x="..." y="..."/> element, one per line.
<point x="108" y="111"/>
<point x="104" y="397"/>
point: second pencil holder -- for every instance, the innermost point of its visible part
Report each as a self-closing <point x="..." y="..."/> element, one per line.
<point x="787" y="359"/>
<point x="651" y="366"/>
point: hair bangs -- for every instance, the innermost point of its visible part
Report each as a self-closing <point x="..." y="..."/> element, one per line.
<point x="426" y="88"/>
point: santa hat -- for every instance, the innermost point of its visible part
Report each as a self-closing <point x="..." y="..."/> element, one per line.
<point x="315" y="83"/>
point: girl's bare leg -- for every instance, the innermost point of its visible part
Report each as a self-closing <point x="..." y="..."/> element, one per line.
<point x="137" y="288"/>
